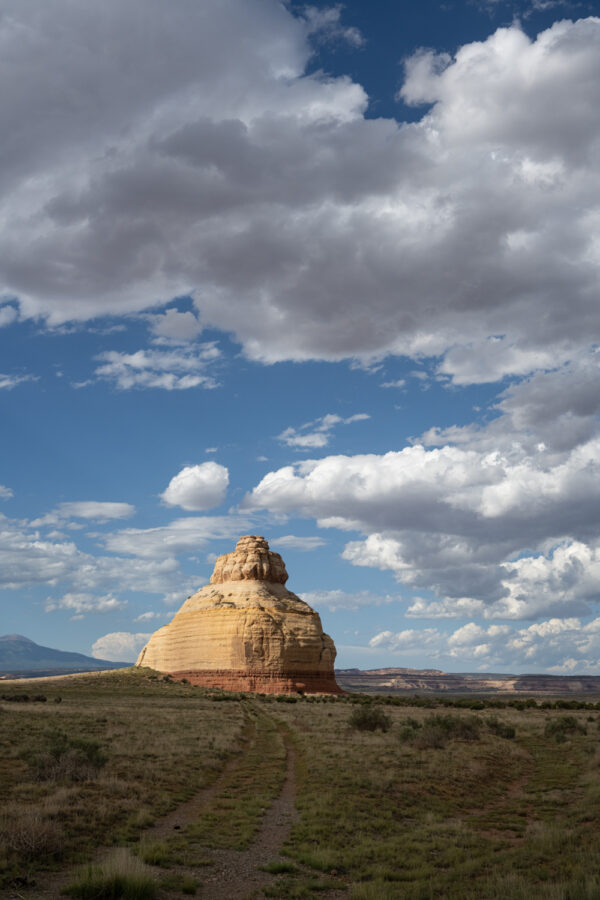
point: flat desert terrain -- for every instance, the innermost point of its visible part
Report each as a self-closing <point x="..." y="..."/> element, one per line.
<point x="126" y="784"/>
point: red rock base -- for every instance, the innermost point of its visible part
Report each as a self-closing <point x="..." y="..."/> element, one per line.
<point x="262" y="682"/>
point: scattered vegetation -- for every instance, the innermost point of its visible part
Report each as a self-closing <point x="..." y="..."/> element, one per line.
<point x="155" y="853"/>
<point x="65" y="758"/>
<point x="175" y="881"/>
<point x="441" y="701"/>
<point x="280" y="868"/>
<point x="119" y="751"/>
<point x="122" y="877"/>
<point x="398" y="796"/>
<point x="445" y="804"/>
<point x="562" y="727"/>
<point x="300" y="889"/>
<point x="501" y="729"/>
<point x="369" y="718"/>
<point x="247" y="793"/>
<point x="436" y="731"/>
<point x="28" y="835"/>
<point x="25" y="698"/>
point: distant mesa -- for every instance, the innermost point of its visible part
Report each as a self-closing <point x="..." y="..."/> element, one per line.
<point x="402" y="680"/>
<point x="245" y="631"/>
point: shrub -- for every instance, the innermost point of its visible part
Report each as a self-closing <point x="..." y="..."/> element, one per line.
<point x="155" y="853"/>
<point x="412" y="723"/>
<point x="280" y="868"/>
<point x="430" y="737"/>
<point x="562" y="726"/>
<point x="408" y="727"/>
<point x="469" y="703"/>
<point x="406" y="733"/>
<point x="369" y="718"/>
<point x="500" y="729"/>
<point x="122" y="877"/>
<point x="463" y="728"/>
<point x="437" y="730"/>
<point x="24" y="698"/>
<point x="64" y="757"/>
<point x="29" y="834"/>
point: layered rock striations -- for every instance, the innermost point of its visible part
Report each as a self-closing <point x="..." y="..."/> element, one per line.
<point x="245" y="631"/>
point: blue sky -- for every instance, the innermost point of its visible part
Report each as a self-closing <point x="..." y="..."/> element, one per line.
<point x="326" y="273"/>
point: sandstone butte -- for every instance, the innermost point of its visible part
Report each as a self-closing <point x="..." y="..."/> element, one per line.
<point x="245" y="631"/>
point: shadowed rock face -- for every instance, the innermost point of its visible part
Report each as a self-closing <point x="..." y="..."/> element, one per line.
<point x="245" y="631"/>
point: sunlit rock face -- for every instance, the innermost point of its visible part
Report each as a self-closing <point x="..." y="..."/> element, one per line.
<point x="245" y="631"/>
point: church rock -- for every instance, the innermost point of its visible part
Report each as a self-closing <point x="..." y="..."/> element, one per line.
<point x="245" y="631"/>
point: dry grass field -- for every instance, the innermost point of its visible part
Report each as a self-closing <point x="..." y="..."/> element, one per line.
<point x="394" y="798"/>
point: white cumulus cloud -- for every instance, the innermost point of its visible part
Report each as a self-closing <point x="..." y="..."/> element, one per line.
<point x="119" y="646"/>
<point x="494" y="521"/>
<point x="562" y="646"/>
<point x="176" y="327"/>
<point x="219" y="168"/>
<point x="197" y="487"/>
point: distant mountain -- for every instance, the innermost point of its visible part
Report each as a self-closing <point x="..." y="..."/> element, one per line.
<point x="22" y="658"/>
<point x="397" y="680"/>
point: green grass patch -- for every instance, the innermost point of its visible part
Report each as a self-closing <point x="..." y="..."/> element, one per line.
<point x="122" y="877"/>
<point x="496" y="798"/>
<point x="298" y="890"/>
<point x="155" y="853"/>
<point x="236" y="812"/>
<point x="175" y="881"/>
<point x="280" y="868"/>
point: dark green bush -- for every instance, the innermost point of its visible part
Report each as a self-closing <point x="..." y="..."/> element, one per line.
<point x="500" y="729"/>
<point x="430" y="737"/>
<point x="64" y="757"/>
<point x="369" y="718"/>
<point x="408" y="729"/>
<point x="562" y="726"/>
<point x="469" y="703"/>
<point x="437" y="730"/>
<point x="24" y="698"/>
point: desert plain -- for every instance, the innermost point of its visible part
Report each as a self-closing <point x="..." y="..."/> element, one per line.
<point x="128" y="784"/>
